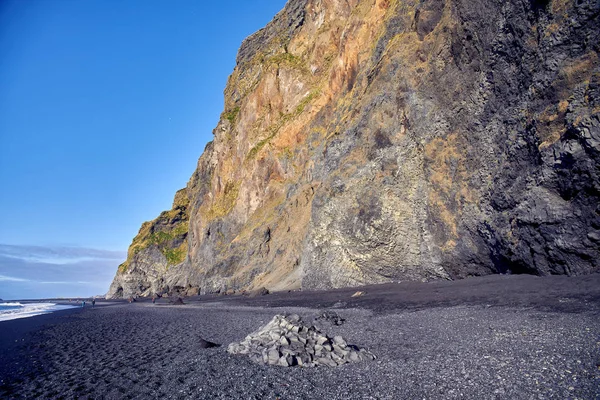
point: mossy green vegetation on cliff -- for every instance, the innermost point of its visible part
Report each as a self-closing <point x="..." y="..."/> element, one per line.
<point x="223" y="202"/>
<point x="177" y="255"/>
<point x="283" y="119"/>
<point x="168" y="232"/>
<point x="288" y="60"/>
<point x="231" y="115"/>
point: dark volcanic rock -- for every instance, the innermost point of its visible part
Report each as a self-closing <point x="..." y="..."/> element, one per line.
<point x="259" y="292"/>
<point x="177" y="302"/>
<point x="378" y="141"/>
<point x="205" y="344"/>
<point x="285" y="341"/>
<point x="331" y="317"/>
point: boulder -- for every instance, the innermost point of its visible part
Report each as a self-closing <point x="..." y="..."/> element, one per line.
<point x="259" y="292"/>
<point x="177" y="301"/>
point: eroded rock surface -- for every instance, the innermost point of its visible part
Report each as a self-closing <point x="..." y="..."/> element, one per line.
<point x="370" y="141"/>
<point x="287" y="342"/>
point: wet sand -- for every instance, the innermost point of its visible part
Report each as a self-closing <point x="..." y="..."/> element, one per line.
<point x="498" y="337"/>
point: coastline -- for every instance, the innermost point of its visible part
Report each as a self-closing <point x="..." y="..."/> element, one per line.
<point x="24" y="309"/>
<point x="491" y="337"/>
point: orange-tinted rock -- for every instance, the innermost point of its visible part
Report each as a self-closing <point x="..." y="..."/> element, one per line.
<point x="383" y="140"/>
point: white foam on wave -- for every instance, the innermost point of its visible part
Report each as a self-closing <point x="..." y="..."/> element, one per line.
<point x="9" y="311"/>
<point x="10" y="304"/>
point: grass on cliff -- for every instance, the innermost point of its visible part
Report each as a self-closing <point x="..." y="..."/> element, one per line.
<point x="286" y="59"/>
<point x="175" y="224"/>
<point x="223" y="202"/>
<point x="305" y="101"/>
<point x="232" y="115"/>
<point x="123" y="268"/>
<point x="161" y="239"/>
<point x="258" y="146"/>
<point x="285" y="118"/>
<point x="175" y="256"/>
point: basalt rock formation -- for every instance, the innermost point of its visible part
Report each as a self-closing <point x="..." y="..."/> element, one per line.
<point x="286" y="341"/>
<point x="368" y="141"/>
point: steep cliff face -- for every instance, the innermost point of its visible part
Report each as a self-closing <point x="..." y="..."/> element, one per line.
<point x="368" y="141"/>
<point x="155" y="253"/>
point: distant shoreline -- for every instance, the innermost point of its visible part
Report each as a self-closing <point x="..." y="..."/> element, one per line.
<point x="497" y="289"/>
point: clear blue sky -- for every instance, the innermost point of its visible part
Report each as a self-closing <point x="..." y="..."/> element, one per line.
<point x="105" y="107"/>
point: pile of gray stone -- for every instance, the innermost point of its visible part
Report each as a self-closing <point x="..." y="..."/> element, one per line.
<point x="287" y="342"/>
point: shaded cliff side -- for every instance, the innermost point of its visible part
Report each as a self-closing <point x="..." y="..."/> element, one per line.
<point x="368" y="141"/>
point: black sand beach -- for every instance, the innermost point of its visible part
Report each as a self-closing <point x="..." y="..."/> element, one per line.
<point x="497" y="337"/>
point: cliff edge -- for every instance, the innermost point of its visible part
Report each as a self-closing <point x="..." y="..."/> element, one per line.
<point x="369" y="141"/>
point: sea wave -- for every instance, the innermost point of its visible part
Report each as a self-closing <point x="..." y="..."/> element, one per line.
<point x="11" y="305"/>
<point x="9" y="311"/>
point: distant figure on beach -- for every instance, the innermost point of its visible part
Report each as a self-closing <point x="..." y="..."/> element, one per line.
<point x="94" y="302"/>
<point x="130" y="299"/>
<point x="153" y="299"/>
<point x="82" y="303"/>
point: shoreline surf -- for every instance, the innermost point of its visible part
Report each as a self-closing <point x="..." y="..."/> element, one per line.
<point x="16" y="310"/>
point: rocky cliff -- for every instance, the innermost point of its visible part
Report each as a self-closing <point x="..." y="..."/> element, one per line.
<point x="368" y="141"/>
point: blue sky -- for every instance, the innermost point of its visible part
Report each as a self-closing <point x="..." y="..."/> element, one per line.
<point x="49" y="272"/>
<point x="105" y="107"/>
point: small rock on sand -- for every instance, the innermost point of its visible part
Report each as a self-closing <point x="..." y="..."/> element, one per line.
<point x="331" y="317"/>
<point x="205" y="344"/>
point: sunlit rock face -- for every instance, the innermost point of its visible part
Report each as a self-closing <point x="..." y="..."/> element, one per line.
<point x="386" y="140"/>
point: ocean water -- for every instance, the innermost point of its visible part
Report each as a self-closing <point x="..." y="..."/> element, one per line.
<point x="16" y="310"/>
